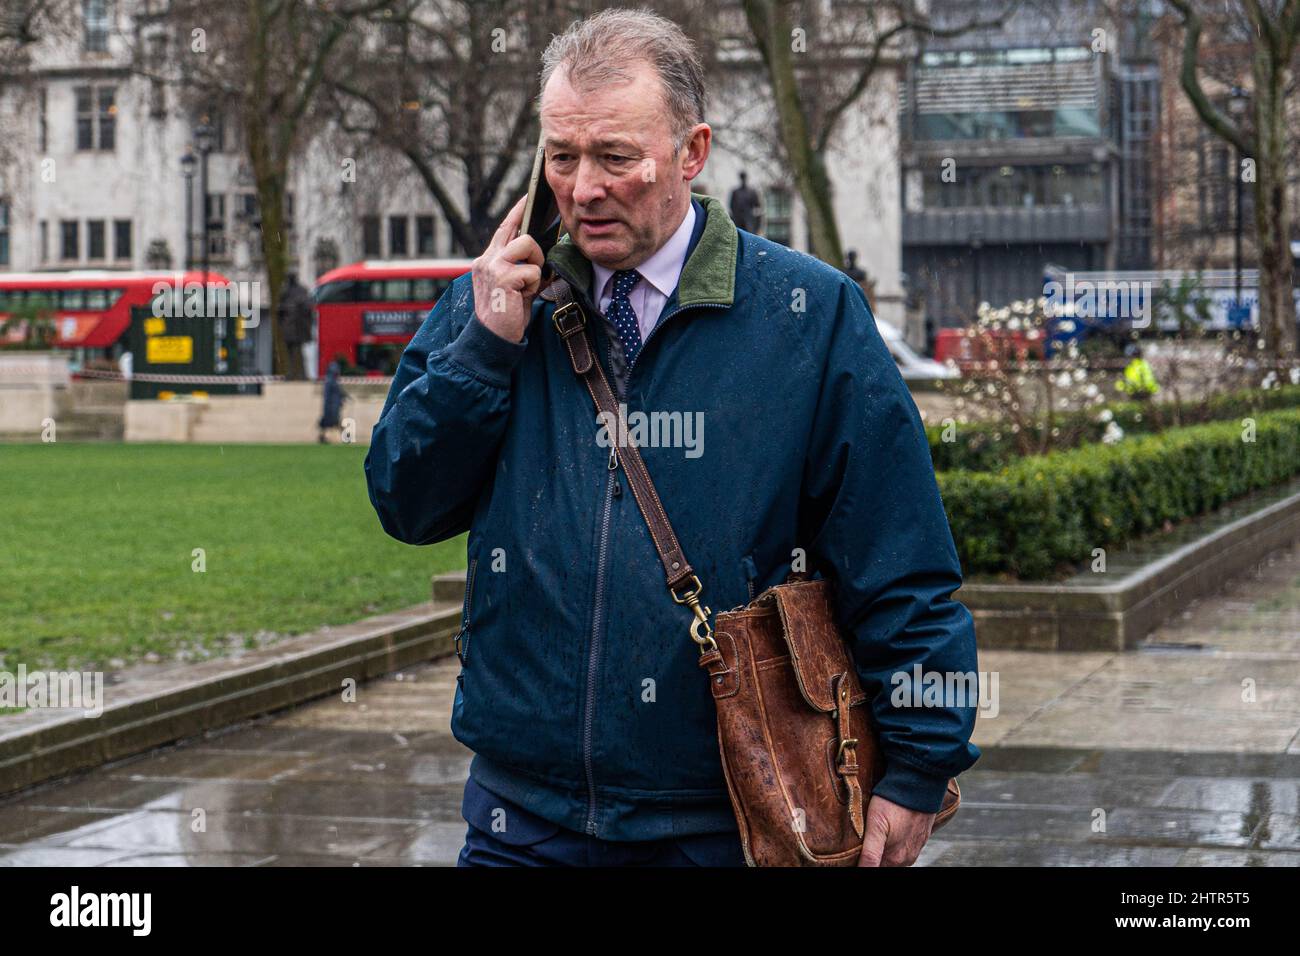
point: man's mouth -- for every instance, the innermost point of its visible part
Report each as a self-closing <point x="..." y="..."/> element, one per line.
<point x="596" y="224"/>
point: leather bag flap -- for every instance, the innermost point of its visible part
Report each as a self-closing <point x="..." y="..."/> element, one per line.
<point x="817" y="651"/>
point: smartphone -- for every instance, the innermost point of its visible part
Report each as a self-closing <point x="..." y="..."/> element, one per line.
<point x="541" y="213"/>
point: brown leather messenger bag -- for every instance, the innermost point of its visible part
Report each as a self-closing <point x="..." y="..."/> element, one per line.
<point x="800" y="751"/>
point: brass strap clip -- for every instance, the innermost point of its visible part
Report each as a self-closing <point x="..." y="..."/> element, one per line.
<point x="701" y="629"/>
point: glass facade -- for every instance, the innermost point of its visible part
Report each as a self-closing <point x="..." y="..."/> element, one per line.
<point x="1007" y="94"/>
<point x="1008" y="124"/>
<point x="1004" y="186"/>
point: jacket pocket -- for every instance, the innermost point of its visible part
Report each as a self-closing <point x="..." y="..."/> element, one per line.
<point x="462" y="636"/>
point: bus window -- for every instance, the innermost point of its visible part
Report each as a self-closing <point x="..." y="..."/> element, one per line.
<point x="428" y="290"/>
<point x="383" y="359"/>
<point x="97" y="299"/>
<point x="341" y="291"/>
<point x="72" y="299"/>
<point x="396" y="290"/>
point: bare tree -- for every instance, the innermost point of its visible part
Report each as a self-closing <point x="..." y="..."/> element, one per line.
<point x="1269" y="30"/>
<point x="267" y="62"/>
<point x="24" y="26"/>
<point x="818" y="67"/>
<point x="451" y="90"/>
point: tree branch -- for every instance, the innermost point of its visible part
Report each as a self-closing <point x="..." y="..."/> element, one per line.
<point x="1191" y="83"/>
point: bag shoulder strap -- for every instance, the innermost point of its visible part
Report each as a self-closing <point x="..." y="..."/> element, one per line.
<point x="683" y="584"/>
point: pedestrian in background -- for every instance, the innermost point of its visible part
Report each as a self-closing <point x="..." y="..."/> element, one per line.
<point x="335" y="396"/>
<point x="1139" y="381"/>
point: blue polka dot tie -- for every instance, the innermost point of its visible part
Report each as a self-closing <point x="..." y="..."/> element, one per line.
<point x="621" y="314"/>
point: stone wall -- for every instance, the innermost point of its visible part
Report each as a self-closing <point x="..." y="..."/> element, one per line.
<point x="285" y="413"/>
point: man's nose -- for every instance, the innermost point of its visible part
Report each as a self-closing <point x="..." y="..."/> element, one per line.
<point x="589" y="186"/>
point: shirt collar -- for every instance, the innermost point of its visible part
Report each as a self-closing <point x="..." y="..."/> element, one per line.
<point x="664" y="267"/>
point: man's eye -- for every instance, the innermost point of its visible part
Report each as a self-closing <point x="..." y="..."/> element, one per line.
<point x="614" y="158"/>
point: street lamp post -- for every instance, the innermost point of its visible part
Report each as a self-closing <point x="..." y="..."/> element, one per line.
<point x="187" y="171"/>
<point x="976" y="243"/>
<point x="1237" y="106"/>
<point x="203" y="139"/>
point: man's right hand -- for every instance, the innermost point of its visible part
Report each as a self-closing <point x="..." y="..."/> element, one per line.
<point x="506" y="278"/>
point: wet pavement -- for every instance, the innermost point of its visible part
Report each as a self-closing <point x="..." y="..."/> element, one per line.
<point x="1185" y="752"/>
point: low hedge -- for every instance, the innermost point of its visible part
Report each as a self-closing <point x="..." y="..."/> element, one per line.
<point x="985" y="446"/>
<point x="1040" y="513"/>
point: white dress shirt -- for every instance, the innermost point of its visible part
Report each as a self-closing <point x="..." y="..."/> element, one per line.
<point x="659" y="275"/>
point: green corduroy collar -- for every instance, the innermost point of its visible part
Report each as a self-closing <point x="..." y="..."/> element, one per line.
<point x="709" y="275"/>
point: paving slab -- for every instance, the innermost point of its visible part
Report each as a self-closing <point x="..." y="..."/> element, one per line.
<point x="1146" y="757"/>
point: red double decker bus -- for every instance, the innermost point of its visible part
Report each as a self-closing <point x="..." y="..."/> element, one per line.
<point x="367" y="312"/>
<point x="88" y="310"/>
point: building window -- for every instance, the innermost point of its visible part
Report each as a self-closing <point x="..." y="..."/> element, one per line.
<point x="217" y="120"/>
<point x="69" y="240"/>
<point x="370" y="236"/>
<point x="157" y="91"/>
<point x="397" y="236"/>
<point x="95" y="15"/>
<point x="121" y="238"/>
<point x="43" y="126"/>
<point x="246" y="212"/>
<point x="96" y="117"/>
<point x="4" y="233"/>
<point x="85" y="118"/>
<point x="95" y="239"/>
<point x="424" y="235"/>
<point x="1215" y="161"/>
<point x="107" y="117"/>
<point x="215" y="211"/>
<point x="776" y="214"/>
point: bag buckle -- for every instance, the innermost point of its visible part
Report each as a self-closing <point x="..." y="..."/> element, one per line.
<point x="558" y="320"/>
<point x="701" y="629"/>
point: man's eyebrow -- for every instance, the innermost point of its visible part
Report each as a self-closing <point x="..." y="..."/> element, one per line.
<point x="613" y="142"/>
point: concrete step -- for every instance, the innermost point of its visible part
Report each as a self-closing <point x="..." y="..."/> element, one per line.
<point x="98" y="392"/>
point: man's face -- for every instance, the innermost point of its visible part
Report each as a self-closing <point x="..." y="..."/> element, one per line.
<point x="621" y="187"/>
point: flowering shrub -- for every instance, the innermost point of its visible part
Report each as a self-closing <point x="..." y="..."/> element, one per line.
<point x="1013" y="401"/>
<point x="1011" y="384"/>
<point x="986" y="446"/>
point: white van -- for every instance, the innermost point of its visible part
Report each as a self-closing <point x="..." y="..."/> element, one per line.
<point x="913" y="367"/>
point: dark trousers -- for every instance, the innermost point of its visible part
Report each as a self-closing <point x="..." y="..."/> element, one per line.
<point x="502" y="833"/>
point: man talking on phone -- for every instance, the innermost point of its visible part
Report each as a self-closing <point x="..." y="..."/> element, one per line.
<point x="593" y="729"/>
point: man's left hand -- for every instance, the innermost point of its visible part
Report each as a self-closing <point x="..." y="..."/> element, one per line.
<point x="894" y="835"/>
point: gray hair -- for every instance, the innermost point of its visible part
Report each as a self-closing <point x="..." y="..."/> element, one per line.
<point x="598" y="50"/>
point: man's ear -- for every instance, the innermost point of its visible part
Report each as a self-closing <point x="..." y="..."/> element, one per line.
<point x="697" y="150"/>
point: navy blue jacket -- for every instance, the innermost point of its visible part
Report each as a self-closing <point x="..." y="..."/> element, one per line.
<point x="579" y="691"/>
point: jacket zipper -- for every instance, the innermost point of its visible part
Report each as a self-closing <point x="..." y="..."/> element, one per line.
<point x="598" y="606"/>
<point x="612" y="490"/>
<point x="462" y="636"/>
<point x="593" y="658"/>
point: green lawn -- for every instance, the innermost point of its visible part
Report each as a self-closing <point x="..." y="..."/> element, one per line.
<point x="97" y="547"/>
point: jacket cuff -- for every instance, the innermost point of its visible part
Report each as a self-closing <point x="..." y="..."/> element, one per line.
<point x="908" y="787"/>
<point x="486" y="355"/>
